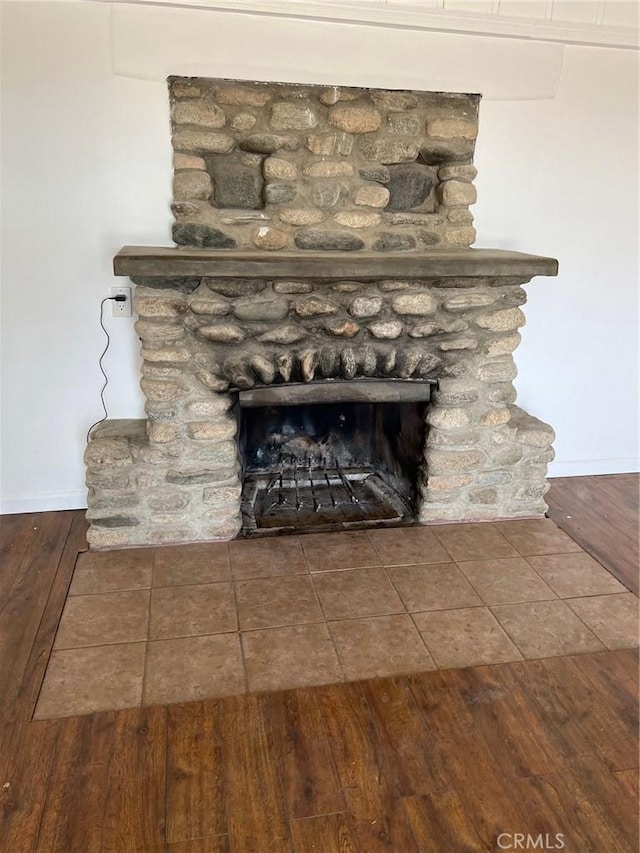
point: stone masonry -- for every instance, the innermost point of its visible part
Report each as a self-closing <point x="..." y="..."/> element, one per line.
<point x="281" y="167"/>
<point x="176" y="476"/>
<point x="322" y="234"/>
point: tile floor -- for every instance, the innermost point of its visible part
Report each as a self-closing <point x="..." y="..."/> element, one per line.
<point x="160" y="625"/>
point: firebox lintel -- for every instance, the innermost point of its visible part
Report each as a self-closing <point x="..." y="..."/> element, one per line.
<point x="155" y="261"/>
<point x="337" y="391"/>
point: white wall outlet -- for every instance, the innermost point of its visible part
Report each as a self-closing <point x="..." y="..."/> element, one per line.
<point x="121" y="309"/>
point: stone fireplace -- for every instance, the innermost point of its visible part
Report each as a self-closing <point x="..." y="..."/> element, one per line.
<point x="322" y="348"/>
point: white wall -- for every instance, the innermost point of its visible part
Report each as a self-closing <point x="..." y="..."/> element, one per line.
<point x="86" y="169"/>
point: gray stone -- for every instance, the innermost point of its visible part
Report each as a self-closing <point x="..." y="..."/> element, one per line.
<point x="264" y="369"/>
<point x="190" y="184"/>
<point x="427" y="220"/>
<point x="394" y="100"/>
<point x="414" y="304"/>
<point x="357" y="219"/>
<point x="389" y="362"/>
<point x="447" y="418"/>
<point x="243" y="122"/>
<point x="203" y="142"/>
<point x="333" y="94"/>
<point x="501" y="369"/>
<point x="435" y="327"/>
<point x="269" y="143"/>
<point x="218" y="430"/>
<point x="349" y="363"/>
<point x="355" y="119"/>
<point x="328" y="144"/>
<point x="327" y="361"/>
<point x="460" y="236"/>
<point x="212" y="307"/>
<point x="200" y="113"/>
<point x="346" y="287"/>
<point x="435" y="153"/>
<point x="224" y="333"/>
<point x="514" y="296"/>
<point x="184" y="87"/>
<point x="394" y="242"/>
<point x="256" y="95"/>
<point x="287" y="116"/>
<point x="410" y="185"/>
<point x="284" y="363"/>
<point x="452" y="128"/>
<point x="405" y="125"/>
<point x="459" y="216"/>
<point x="429" y="366"/>
<point x="452" y="461"/>
<point x="277" y="193"/>
<point x="530" y="430"/>
<point x="327" y="194"/>
<point x="429" y="238"/>
<point x="239" y="374"/>
<point x="282" y="170"/>
<point x="501" y="321"/>
<point x="454" y="193"/>
<point x="270" y="239"/>
<point x="408" y="362"/>
<point x="162" y="391"/>
<point x="458" y="344"/>
<point x="291" y="287"/>
<point x="209" y="407"/>
<point x="313" y="306"/>
<point x="236" y="185"/>
<point x="186" y="209"/>
<point x="365" y="306"/>
<point x="461" y="173"/>
<point x="260" y="309"/>
<point x="468" y="301"/>
<point x="372" y="196"/>
<point x="283" y="335"/>
<point x="380" y="174"/>
<point x="235" y="286"/>
<point x="342" y="328"/>
<point x="397" y="284"/>
<point x="308" y="361"/>
<point x="390" y="150"/>
<point x="328" y="241"/>
<point x="169" y="501"/>
<point x="201" y="236"/>
<point x="386" y="329"/>
<point x="368" y="361"/>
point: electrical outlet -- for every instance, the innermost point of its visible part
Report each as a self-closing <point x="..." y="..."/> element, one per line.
<point x="121" y="309"/>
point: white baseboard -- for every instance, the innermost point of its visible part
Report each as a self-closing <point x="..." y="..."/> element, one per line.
<point x="46" y="502"/>
<point x="587" y="467"/>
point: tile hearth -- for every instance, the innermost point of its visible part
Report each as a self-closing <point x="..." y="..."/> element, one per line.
<point x="162" y="625"/>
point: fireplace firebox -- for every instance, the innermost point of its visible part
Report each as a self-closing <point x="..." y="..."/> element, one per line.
<point x="331" y="465"/>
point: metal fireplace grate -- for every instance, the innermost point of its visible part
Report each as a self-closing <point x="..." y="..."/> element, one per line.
<point x="318" y="493"/>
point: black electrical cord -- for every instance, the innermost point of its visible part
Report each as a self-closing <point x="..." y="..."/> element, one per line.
<point x="119" y="298"/>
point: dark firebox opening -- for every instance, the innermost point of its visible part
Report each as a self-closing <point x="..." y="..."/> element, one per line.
<point x="327" y="466"/>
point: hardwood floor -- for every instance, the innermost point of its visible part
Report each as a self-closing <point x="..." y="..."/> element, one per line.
<point x="601" y="514"/>
<point x="442" y="761"/>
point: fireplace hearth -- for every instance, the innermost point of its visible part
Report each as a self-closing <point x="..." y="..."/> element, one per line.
<point x="333" y="354"/>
